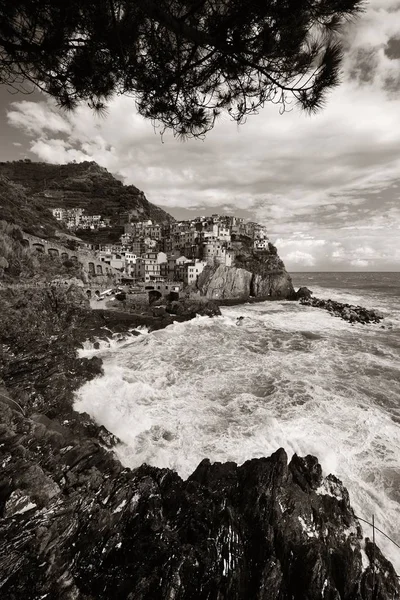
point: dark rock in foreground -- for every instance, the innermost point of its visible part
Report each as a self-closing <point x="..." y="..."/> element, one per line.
<point x="76" y="525"/>
<point x="348" y="312"/>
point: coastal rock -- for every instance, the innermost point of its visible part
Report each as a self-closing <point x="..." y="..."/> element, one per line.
<point x="275" y="286"/>
<point x="225" y="283"/>
<point x="41" y="330"/>
<point x="190" y="307"/>
<point x="75" y="525"/>
<point x="260" y="275"/>
<point x="303" y="292"/>
<point x="270" y="278"/>
<point x="348" y="312"/>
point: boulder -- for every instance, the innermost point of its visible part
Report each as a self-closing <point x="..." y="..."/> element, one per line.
<point x="303" y="292"/>
<point x="190" y="307"/>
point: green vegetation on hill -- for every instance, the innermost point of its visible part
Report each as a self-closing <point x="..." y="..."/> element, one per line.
<point x="259" y="262"/>
<point x="84" y="185"/>
<point x="17" y="207"/>
<point x="109" y="235"/>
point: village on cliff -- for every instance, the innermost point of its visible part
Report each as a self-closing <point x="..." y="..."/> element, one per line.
<point x="172" y="251"/>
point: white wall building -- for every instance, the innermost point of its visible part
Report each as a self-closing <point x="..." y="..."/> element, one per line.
<point x="130" y="258"/>
<point x="261" y="244"/>
<point x="193" y="271"/>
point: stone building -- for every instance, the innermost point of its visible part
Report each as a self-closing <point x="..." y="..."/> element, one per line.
<point x="216" y="251"/>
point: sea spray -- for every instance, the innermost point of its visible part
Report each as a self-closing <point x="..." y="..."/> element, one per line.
<point x="289" y="377"/>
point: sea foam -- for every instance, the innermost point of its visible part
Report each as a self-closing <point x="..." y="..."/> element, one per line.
<point x="290" y="377"/>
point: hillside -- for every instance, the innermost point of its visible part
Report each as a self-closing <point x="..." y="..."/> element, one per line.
<point x="85" y="185"/>
<point x="20" y="208"/>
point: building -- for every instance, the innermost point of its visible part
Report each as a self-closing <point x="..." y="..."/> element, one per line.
<point x="152" y="231"/>
<point x="180" y="268"/>
<point x="224" y="233"/>
<point x="147" y="269"/>
<point x="110" y="248"/>
<point x="261" y="245"/>
<point x="193" y="271"/>
<point x="126" y="238"/>
<point x="130" y="258"/>
<point x="218" y="252"/>
<point x="166" y="244"/>
<point x="90" y="222"/>
<point x="171" y="261"/>
<point x="138" y="247"/>
<point x="160" y="257"/>
<point x="71" y="217"/>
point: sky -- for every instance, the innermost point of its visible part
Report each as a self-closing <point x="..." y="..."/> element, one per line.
<point x="326" y="186"/>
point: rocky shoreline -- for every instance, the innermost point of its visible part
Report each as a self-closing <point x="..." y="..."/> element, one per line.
<point x="43" y="328"/>
<point x="76" y="525"/>
<point x="348" y="312"/>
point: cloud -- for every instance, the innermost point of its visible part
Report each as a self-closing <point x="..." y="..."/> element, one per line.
<point x="299" y="258"/>
<point x="332" y="176"/>
<point x="35" y="118"/>
<point x="359" y="263"/>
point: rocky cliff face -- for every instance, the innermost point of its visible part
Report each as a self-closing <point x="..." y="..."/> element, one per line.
<point x="257" y="274"/>
<point x="75" y="525"/>
<point x="222" y="283"/>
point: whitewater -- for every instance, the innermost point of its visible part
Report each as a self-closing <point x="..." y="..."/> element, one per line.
<point x="290" y="376"/>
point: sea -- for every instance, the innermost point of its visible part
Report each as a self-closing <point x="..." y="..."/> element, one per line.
<point x="288" y="376"/>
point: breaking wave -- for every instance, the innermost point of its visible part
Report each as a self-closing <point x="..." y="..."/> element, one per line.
<point x="290" y="376"/>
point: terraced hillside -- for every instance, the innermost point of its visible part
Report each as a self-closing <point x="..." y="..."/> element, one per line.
<point x="85" y="185"/>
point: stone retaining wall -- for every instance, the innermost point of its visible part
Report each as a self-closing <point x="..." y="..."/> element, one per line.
<point x="87" y="259"/>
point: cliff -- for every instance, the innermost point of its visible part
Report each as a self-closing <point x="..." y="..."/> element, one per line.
<point x="85" y="185"/>
<point x="255" y="274"/>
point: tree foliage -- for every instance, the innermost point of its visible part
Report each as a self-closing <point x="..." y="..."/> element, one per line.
<point x="183" y="61"/>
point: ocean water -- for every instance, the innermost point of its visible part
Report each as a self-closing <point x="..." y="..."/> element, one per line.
<point x="290" y="376"/>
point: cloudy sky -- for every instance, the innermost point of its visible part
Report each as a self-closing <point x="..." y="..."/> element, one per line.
<point x="326" y="186"/>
